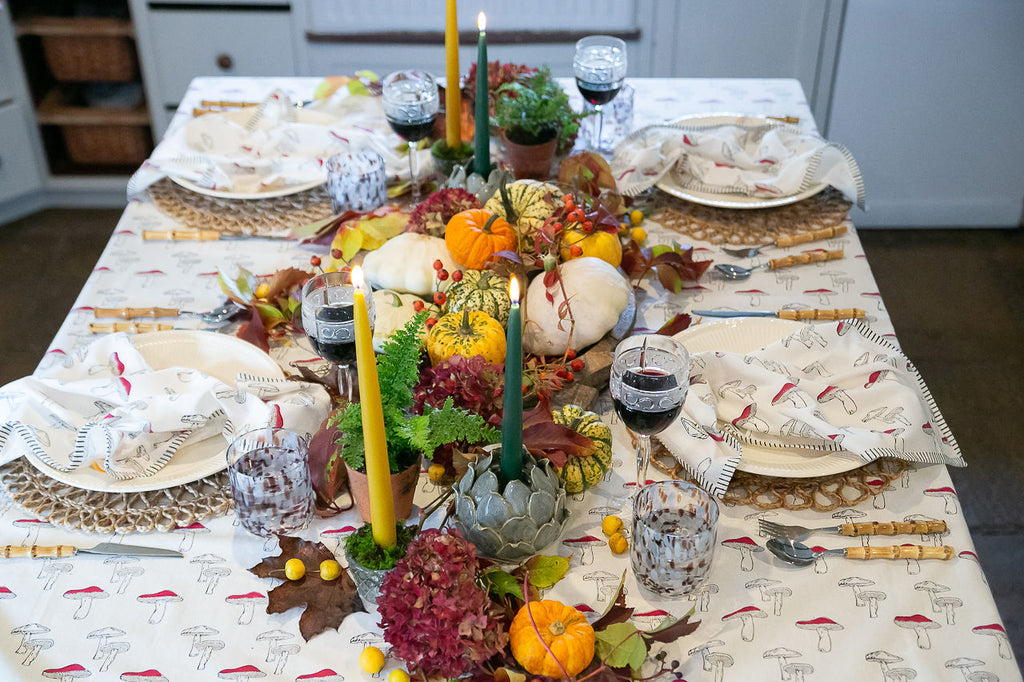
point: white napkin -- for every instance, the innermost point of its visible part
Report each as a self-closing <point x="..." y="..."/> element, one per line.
<point x="761" y="160"/>
<point x="829" y="388"/>
<point x="105" y="404"/>
<point x="271" y="146"/>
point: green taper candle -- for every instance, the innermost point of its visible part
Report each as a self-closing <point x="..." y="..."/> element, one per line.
<point x="512" y="421"/>
<point x="482" y="132"/>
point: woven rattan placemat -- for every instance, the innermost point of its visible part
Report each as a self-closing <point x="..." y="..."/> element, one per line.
<point x="749" y="226"/>
<point x="96" y="512"/>
<point x="249" y="217"/>
<point x="821" y="493"/>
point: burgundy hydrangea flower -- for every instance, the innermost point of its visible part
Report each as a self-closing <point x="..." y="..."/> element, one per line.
<point x="432" y="215"/>
<point x="473" y="383"/>
<point x="436" y="617"/>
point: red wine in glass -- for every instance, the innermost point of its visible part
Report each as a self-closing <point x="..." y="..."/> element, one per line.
<point x="338" y="352"/>
<point x="644" y="421"/>
<point x="412" y="131"/>
<point x="598" y="93"/>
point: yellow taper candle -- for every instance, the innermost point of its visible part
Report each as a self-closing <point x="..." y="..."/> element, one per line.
<point x="452" y="93"/>
<point x="375" y="444"/>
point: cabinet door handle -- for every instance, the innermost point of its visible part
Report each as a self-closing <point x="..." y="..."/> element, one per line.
<point x="224" y="61"/>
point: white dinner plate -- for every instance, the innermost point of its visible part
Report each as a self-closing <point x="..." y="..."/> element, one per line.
<point x="669" y="184"/>
<point x="218" y="355"/>
<point x="744" y="335"/>
<point x="209" y="123"/>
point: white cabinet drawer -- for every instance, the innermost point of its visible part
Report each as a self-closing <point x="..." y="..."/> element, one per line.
<point x="19" y="172"/>
<point x="186" y="43"/>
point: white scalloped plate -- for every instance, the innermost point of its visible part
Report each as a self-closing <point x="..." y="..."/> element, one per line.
<point x="218" y="355"/>
<point x="744" y="335"/>
<point x="669" y="184"/>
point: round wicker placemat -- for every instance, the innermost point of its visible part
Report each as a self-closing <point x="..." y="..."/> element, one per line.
<point x="96" y="512"/>
<point x="749" y="226"/>
<point x="821" y="493"/>
<point x="249" y="217"/>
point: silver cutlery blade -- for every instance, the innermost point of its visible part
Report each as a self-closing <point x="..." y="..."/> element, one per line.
<point x="111" y="548"/>
<point x="735" y="313"/>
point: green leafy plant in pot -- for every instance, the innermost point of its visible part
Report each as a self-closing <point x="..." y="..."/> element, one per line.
<point x="536" y="120"/>
<point x="409" y="437"/>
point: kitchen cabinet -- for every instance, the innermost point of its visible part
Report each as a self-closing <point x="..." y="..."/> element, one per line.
<point x="928" y="96"/>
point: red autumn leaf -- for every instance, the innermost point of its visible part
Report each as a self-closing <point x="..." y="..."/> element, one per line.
<point x="254" y="331"/>
<point x="671" y="633"/>
<point x="327" y="602"/>
<point x="677" y="324"/>
<point x="617" y="611"/>
<point x="543" y="437"/>
<point x="326" y="470"/>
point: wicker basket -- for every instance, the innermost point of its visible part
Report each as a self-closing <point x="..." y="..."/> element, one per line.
<point x="107" y="144"/>
<point x="90" y="58"/>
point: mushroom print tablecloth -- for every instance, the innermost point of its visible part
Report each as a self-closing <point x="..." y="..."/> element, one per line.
<point x="203" y="617"/>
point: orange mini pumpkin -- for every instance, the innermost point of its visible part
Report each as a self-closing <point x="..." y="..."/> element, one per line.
<point x="564" y="629"/>
<point x="474" y="236"/>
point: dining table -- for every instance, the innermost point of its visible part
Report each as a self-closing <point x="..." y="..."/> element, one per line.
<point x="203" y="616"/>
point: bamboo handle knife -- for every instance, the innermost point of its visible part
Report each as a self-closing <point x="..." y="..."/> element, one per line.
<point x="821" y="314"/>
<point x="804" y="259"/>
<point x="130" y="327"/>
<point x="130" y="313"/>
<point x="813" y="236"/>
<point x="181" y="235"/>
<point x="38" y="552"/>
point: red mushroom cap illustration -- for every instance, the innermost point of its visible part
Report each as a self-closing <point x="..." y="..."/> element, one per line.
<point x="583" y="608"/>
<point x="143" y="676"/>
<point x="743" y="542"/>
<point x="992" y="627"/>
<point x="193" y="526"/>
<point x="787" y="389"/>
<point x="236" y="598"/>
<point x="916" y="620"/>
<point x="325" y="675"/>
<point x="92" y="591"/>
<point x="749" y="611"/>
<point x="243" y="672"/>
<point x="827" y="394"/>
<point x="819" y="623"/>
<point x="5" y="593"/>
<point x="67" y="672"/>
<point x="584" y="540"/>
<point x="156" y="596"/>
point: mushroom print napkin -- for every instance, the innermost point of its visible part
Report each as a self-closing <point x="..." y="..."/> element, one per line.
<point x="106" y="407"/>
<point x="272" y="146"/>
<point x="829" y="388"/>
<point x="765" y="160"/>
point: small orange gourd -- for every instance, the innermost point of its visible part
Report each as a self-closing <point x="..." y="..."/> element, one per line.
<point x="474" y="236"/>
<point x="564" y="629"/>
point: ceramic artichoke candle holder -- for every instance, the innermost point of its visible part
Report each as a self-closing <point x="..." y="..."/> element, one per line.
<point x="515" y="523"/>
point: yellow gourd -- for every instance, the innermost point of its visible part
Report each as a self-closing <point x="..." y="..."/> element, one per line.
<point x="468" y="333"/>
<point x="599" y="244"/>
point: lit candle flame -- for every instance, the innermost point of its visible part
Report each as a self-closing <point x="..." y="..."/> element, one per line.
<point x="357" y="277"/>
<point x="513" y="291"/>
<point x="481" y="22"/>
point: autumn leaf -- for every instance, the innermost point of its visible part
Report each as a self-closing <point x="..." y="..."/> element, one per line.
<point x="325" y="467"/>
<point x="617" y="611"/>
<point x="283" y="281"/>
<point x="620" y="645"/>
<point x="502" y="583"/>
<point x="672" y="631"/>
<point x="672" y="264"/>
<point x="254" y="331"/>
<point x="543" y="437"/>
<point x="327" y="602"/>
<point x="546" y="571"/>
<point x="348" y="241"/>
<point x="677" y="324"/>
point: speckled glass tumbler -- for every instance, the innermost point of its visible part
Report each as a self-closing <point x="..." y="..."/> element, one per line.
<point x="356" y="181"/>
<point x="268" y="472"/>
<point x="674" y="529"/>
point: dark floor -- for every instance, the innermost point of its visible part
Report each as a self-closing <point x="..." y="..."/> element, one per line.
<point x="956" y="298"/>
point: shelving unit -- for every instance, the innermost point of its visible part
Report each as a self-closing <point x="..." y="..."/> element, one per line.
<point x="82" y="68"/>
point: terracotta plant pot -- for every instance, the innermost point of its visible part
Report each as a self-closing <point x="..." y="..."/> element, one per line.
<point x="403" y="488"/>
<point x="529" y="160"/>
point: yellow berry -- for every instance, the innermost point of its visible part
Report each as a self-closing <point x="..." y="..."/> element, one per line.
<point x="294" y="569"/>
<point x="636" y="217"/>
<point x="611" y="525"/>
<point x="262" y="291"/>
<point x="617" y="543"/>
<point x="398" y="675"/>
<point x="623" y="229"/>
<point x="435" y="473"/>
<point x="638" y="234"/>
<point x="330" y="569"/>
<point x="371" y="660"/>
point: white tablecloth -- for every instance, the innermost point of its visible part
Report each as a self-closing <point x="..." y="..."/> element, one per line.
<point x="204" y="632"/>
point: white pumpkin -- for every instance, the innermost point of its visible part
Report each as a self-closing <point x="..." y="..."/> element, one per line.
<point x="598" y="295"/>
<point x="392" y="311"/>
<point x="406" y="263"/>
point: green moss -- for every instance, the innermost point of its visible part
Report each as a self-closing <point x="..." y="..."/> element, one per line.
<point x="362" y="547"/>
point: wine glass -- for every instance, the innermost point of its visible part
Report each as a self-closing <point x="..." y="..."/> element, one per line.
<point x="328" y="321"/>
<point x="649" y="381"/>
<point x="410" y="102"/>
<point x="600" y="68"/>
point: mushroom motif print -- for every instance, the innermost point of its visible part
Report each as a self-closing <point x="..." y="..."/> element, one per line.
<point x="996" y="631"/>
<point x="244" y="673"/>
<point x="67" y="673"/>
<point x="85" y="597"/>
<point x="782" y="654"/>
<point x="823" y="626"/>
<point x="159" y="600"/>
<point x="884" y="659"/>
<point x="920" y="625"/>
<point x="746" y="616"/>
<point x="143" y="676"/>
<point x="747" y="548"/>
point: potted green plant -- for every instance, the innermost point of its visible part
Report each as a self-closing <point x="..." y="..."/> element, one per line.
<point x="409" y="437"/>
<point x="535" y="118"/>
